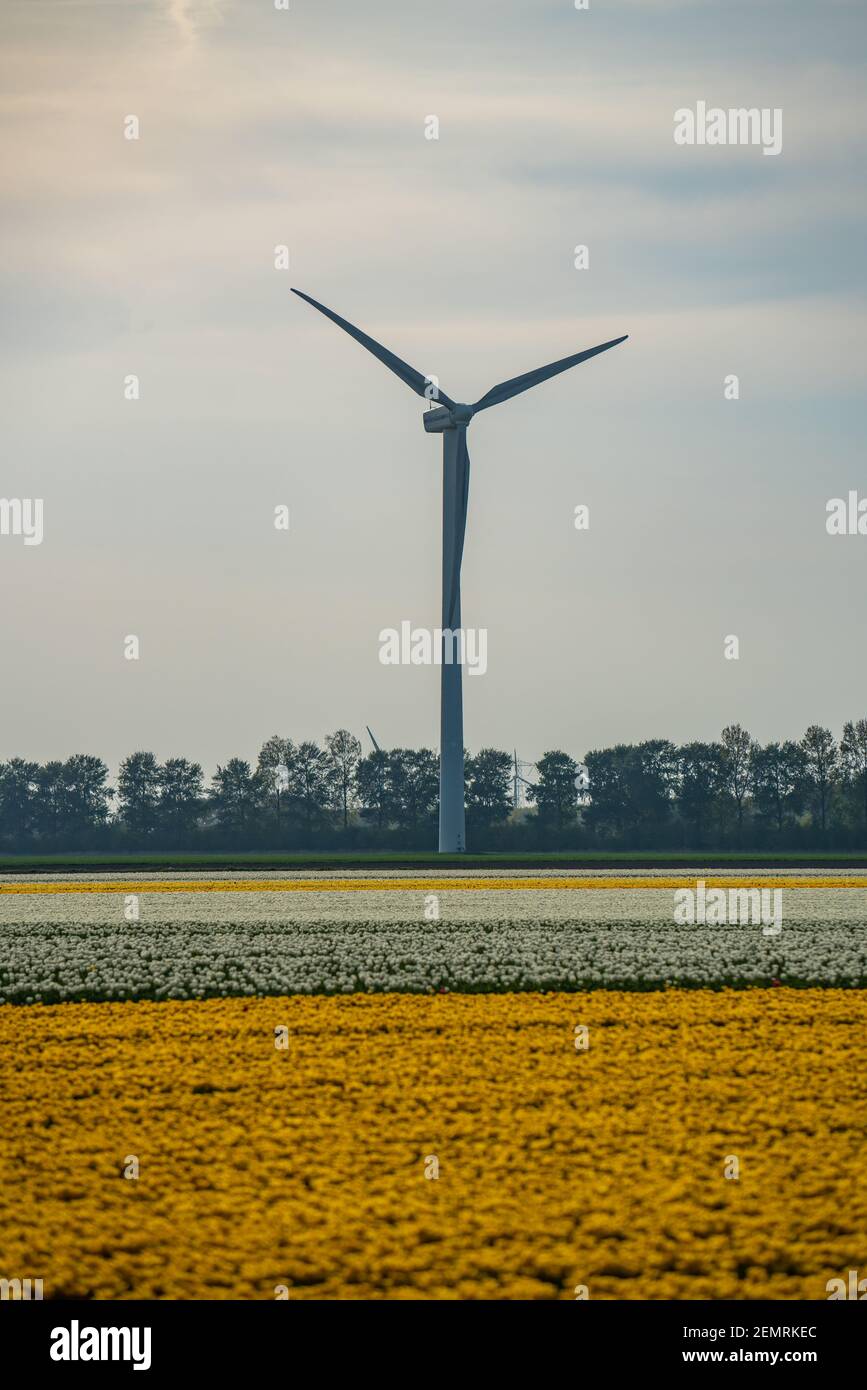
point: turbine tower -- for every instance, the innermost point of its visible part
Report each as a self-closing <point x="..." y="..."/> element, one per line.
<point x="451" y="420"/>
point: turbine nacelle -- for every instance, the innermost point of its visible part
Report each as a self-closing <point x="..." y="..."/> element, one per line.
<point x="447" y="418"/>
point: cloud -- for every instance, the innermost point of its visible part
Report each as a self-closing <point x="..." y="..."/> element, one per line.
<point x="191" y="17"/>
<point x="258" y="128"/>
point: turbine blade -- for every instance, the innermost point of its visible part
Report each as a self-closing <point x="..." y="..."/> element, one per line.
<point x="413" y="379"/>
<point x="462" y="491"/>
<point x="507" y="389"/>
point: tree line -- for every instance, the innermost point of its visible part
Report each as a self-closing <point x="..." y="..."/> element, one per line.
<point x="737" y="792"/>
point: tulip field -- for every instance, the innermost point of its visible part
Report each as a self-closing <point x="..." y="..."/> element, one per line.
<point x="387" y="1087"/>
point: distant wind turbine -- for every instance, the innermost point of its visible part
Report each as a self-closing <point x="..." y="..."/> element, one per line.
<point x="451" y="421"/>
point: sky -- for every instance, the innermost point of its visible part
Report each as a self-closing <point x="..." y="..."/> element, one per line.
<point x="260" y="128"/>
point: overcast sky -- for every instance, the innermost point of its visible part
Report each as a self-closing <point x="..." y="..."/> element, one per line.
<point x="155" y="257"/>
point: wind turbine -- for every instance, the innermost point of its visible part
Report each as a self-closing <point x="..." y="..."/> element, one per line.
<point x="451" y="421"/>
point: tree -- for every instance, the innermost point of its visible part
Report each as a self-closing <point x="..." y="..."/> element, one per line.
<point x="735" y="768"/>
<point x="488" y="798"/>
<point x="344" y="755"/>
<point x="233" y="795"/>
<point x="49" y="803"/>
<point x="821" y="762"/>
<point x="631" y="786"/>
<point x="373" y="784"/>
<point x="777" y="776"/>
<point x="652" y="770"/>
<point x="608" y="811"/>
<point x="555" y="793"/>
<point x="181" y="795"/>
<point x="18" y="785"/>
<point x="272" y="776"/>
<point x="633" y="791"/>
<point x="853" y="760"/>
<point x="138" y="789"/>
<point x="413" y="786"/>
<point x="309" y="785"/>
<point x="86" y="793"/>
<point x="700" y="776"/>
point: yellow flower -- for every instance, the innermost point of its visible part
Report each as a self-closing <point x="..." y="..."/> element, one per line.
<point x="311" y="1167"/>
